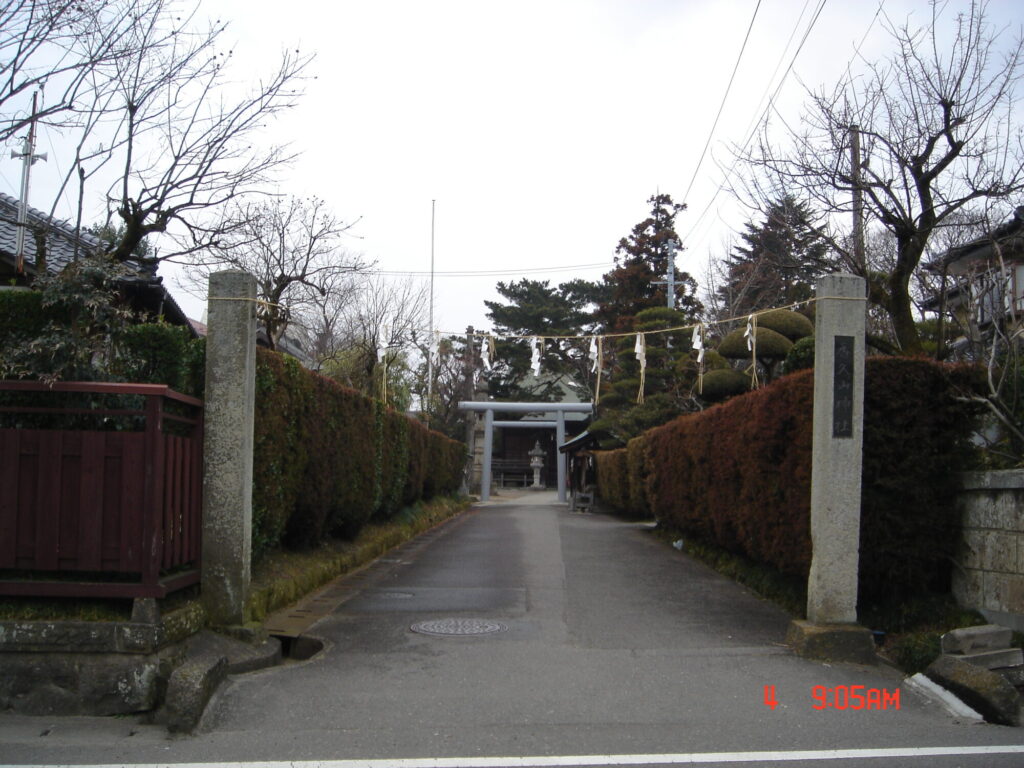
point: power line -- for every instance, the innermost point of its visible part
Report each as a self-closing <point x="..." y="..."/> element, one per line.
<point x="771" y="103"/>
<point x="721" y="106"/>
<point x="758" y="113"/>
<point x="771" y="106"/>
<point x="491" y="272"/>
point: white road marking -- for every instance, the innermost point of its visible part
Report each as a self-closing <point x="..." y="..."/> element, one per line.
<point x="557" y="761"/>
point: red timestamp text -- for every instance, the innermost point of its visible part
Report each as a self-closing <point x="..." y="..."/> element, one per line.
<point x="855" y="697"/>
<point x="843" y="697"/>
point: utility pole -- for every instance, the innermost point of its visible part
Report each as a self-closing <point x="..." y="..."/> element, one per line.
<point x="430" y="330"/>
<point x="28" y="159"/>
<point x="670" y="280"/>
<point x="468" y="366"/>
<point x="471" y="416"/>
<point x="858" y="201"/>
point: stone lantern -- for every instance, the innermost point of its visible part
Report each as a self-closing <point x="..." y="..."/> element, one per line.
<point x="537" y="464"/>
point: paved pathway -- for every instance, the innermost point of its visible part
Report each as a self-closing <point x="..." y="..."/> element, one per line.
<point x="612" y="644"/>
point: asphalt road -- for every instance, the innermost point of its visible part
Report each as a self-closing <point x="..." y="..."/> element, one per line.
<point x="607" y="647"/>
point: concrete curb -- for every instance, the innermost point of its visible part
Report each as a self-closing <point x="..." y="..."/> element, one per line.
<point x="932" y="691"/>
<point x="984" y="690"/>
<point x="189" y="691"/>
<point x="210" y="658"/>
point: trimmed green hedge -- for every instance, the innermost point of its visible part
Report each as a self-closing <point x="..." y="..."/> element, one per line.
<point x="329" y="459"/>
<point x="739" y="474"/>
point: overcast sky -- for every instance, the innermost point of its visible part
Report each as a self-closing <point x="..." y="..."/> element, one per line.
<point x="540" y="127"/>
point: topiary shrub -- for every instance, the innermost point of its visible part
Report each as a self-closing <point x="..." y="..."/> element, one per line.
<point x="714" y="361"/>
<point x="660" y="319"/>
<point x="722" y="383"/>
<point x="771" y="345"/>
<point x="801" y="356"/>
<point x="790" y="324"/>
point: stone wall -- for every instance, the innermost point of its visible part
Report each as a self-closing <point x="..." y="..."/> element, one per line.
<point x="93" y="668"/>
<point x="989" y="571"/>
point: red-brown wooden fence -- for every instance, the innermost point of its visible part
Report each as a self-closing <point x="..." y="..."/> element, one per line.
<point x="99" y="510"/>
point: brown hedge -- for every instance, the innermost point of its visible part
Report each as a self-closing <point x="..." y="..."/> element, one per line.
<point x="613" y="479"/>
<point x="738" y="474"/>
<point x="328" y="459"/>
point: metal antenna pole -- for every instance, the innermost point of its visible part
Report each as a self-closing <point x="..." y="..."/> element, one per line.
<point x="430" y="330"/>
<point x="671" y="287"/>
<point x="28" y="158"/>
<point x="858" y="199"/>
<point x="670" y="278"/>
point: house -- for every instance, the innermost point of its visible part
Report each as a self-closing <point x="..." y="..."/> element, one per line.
<point x="144" y="290"/>
<point x="983" y="281"/>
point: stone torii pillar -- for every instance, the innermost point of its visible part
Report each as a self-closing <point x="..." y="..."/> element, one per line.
<point x="559" y="409"/>
<point x="831" y="631"/>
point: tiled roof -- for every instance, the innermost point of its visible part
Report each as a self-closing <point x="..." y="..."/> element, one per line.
<point x="60" y="251"/>
<point x="1009" y="235"/>
<point x="60" y="245"/>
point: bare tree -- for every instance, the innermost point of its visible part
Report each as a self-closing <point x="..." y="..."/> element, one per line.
<point x="293" y="249"/>
<point x="379" y="331"/>
<point x="321" y="315"/>
<point x="54" y="49"/>
<point x="936" y="123"/>
<point x="449" y="386"/>
<point x="145" y="98"/>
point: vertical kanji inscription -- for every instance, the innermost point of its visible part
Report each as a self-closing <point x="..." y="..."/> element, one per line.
<point x="842" y="388"/>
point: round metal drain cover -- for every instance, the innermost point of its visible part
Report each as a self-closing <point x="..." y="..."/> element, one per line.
<point x="450" y="627"/>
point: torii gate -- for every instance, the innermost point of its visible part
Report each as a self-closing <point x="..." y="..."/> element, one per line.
<point x="559" y="409"/>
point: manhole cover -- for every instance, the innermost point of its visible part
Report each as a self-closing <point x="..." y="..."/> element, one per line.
<point x="448" y="627"/>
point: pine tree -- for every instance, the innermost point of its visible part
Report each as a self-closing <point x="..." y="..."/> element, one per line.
<point x="535" y="308"/>
<point x="778" y="262"/>
<point x="641" y="261"/>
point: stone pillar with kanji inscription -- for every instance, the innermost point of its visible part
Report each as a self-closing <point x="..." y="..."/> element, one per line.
<point x="831" y="631"/>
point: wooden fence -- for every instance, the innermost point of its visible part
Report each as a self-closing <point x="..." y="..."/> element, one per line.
<point x="100" y="489"/>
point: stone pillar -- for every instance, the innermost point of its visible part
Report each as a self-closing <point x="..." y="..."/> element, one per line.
<point x="559" y="456"/>
<point x="228" y="445"/>
<point x="485" y="479"/>
<point x="831" y="630"/>
<point x="477" y="458"/>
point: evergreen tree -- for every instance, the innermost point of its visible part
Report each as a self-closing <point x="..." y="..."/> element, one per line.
<point x="666" y="381"/>
<point x="778" y="262"/>
<point x="641" y="261"/>
<point x="535" y="308"/>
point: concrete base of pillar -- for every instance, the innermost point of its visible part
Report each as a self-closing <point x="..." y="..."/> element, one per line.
<point x="832" y="642"/>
